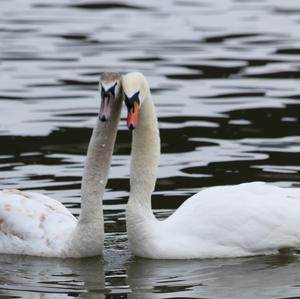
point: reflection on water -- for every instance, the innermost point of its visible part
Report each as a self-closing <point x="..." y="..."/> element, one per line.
<point x="29" y="277"/>
<point x="257" y="277"/>
<point x="224" y="77"/>
<point x="224" y="278"/>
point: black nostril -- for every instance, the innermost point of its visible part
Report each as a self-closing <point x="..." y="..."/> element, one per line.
<point x="103" y="118"/>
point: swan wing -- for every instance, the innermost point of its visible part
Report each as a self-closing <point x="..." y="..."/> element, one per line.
<point x="32" y="223"/>
<point x="239" y="220"/>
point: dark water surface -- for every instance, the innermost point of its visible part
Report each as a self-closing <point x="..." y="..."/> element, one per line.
<point x="225" y="80"/>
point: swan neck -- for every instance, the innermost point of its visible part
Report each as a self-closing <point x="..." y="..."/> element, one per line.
<point x="97" y="165"/>
<point x="144" y="155"/>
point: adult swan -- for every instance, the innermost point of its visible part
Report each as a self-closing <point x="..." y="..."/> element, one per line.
<point x="34" y="224"/>
<point x="225" y="221"/>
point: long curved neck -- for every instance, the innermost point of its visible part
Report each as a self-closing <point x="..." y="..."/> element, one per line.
<point x="145" y="156"/>
<point x="87" y="238"/>
<point x="97" y="166"/>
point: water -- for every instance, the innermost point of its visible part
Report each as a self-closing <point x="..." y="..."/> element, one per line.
<point x="225" y="80"/>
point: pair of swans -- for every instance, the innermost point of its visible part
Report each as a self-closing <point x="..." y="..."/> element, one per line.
<point x="224" y="221"/>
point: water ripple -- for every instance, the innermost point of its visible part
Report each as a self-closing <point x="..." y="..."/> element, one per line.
<point x="224" y="77"/>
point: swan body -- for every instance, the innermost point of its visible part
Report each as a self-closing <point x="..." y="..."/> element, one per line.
<point x="225" y="221"/>
<point x="35" y="224"/>
<point x="32" y="223"/>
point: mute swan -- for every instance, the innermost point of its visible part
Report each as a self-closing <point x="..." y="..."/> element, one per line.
<point x="34" y="224"/>
<point x="224" y="221"/>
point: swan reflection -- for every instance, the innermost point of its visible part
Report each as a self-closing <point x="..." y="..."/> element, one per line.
<point x="263" y="277"/>
<point x="34" y="277"/>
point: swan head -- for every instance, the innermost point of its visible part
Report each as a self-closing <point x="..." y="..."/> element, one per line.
<point x="135" y="87"/>
<point x="110" y="89"/>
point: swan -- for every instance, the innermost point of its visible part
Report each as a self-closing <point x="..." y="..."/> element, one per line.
<point x="35" y="224"/>
<point x="223" y="221"/>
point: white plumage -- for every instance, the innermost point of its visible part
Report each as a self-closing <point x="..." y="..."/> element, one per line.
<point x="230" y="221"/>
<point x="226" y="221"/>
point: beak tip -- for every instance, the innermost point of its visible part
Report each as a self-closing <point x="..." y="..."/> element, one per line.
<point x="103" y="118"/>
<point x="131" y="127"/>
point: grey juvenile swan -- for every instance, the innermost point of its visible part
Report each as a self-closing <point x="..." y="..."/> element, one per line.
<point x="34" y="224"/>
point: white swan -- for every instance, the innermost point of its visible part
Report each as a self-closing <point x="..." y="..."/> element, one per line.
<point x="34" y="224"/>
<point x="225" y="221"/>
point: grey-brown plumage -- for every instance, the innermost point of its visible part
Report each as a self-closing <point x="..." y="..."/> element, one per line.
<point x="110" y="77"/>
<point x="35" y="224"/>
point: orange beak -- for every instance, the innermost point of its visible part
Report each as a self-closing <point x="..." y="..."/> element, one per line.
<point x="132" y="116"/>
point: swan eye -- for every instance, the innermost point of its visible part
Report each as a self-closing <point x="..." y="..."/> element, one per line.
<point x="129" y="102"/>
<point x="112" y="89"/>
<point x="109" y="91"/>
